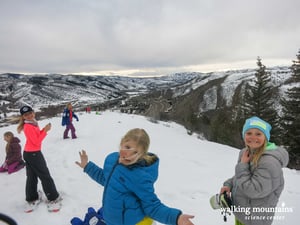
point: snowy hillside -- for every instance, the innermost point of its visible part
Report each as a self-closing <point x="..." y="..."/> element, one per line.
<point x="191" y="170"/>
<point x="56" y="89"/>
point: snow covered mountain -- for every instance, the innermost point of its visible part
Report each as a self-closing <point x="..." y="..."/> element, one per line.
<point x="42" y="90"/>
<point x="55" y="89"/>
<point x="196" y="100"/>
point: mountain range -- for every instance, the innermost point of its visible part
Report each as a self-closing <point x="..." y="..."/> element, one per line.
<point x="180" y="97"/>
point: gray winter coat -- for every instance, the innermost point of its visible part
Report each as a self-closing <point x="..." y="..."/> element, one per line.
<point x="255" y="190"/>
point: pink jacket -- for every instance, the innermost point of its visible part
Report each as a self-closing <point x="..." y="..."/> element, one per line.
<point x="34" y="136"/>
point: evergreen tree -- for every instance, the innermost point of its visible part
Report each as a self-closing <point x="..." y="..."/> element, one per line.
<point x="290" y="120"/>
<point x="257" y="100"/>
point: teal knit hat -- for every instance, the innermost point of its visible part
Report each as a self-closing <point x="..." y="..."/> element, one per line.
<point x="255" y="122"/>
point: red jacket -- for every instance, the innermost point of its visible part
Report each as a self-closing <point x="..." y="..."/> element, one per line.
<point x="34" y="136"/>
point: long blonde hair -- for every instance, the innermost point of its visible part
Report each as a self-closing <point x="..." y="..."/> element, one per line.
<point x="142" y="140"/>
<point x="21" y="124"/>
<point x="258" y="153"/>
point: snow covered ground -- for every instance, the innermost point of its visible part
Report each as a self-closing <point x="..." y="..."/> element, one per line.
<point x="191" y="170"/>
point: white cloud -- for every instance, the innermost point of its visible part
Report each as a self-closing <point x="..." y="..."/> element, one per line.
<point x="87" y="36"/>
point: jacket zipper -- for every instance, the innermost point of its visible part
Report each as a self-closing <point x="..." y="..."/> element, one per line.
<point x="108" y="179"/>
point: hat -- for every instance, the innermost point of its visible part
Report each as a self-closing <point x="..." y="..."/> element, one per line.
<point x="255" y="122"/>
<point x="25" y="109"/>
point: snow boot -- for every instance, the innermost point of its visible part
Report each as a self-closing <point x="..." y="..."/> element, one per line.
<point x="55" y="205"/>
<point x="31" y="206"/>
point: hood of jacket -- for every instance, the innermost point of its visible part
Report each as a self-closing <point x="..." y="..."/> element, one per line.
<point x="277" y="152"/>
<point x="15" y="140"/>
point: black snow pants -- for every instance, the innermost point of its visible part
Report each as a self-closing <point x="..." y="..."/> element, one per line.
<point x="36" y="167"/>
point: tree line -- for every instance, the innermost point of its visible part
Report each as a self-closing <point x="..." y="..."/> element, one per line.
<point x="285" y="116"/>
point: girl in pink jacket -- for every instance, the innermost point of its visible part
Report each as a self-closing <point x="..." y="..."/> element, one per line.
<point x="36" y="167"/>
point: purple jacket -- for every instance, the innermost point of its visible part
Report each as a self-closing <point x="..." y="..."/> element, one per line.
<point x="13" y="152"/>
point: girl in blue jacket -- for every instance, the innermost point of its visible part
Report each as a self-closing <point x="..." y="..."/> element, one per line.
<point x="128" y="178"/>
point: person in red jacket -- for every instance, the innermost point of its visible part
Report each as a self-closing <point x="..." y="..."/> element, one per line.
<point x="36" y="166"/>
<point x="13" y="160"/>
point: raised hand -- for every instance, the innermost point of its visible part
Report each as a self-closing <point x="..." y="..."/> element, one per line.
<point x="246" y="158"/>
<point x="83" y="159"/>
<point x="47" y="127"/>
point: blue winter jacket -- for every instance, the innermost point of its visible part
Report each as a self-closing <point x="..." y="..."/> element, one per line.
<point x="129" y="193"/>
<point x="66" y="117"/>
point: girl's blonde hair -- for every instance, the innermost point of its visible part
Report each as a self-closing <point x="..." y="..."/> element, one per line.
<point x="258" y="153"/>
<point x="141" y="138"/>
<point x="21" y="124"/>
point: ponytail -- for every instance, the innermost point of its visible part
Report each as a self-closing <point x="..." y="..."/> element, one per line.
<point x="150" y="158"/>
<point x="20" y="125"/>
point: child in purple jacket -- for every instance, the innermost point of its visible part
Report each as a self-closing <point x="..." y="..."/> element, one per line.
<point x="13" y="160"/>
<point x="67" y="120"/>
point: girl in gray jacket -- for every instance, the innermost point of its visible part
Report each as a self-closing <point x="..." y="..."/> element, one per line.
<point x="258" y="181"/>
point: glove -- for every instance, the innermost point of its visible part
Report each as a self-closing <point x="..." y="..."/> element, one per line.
<point x="76" y="221"/>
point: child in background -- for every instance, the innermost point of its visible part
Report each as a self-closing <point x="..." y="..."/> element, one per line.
<point x="67" y="120"/>
<point x="36" y="166"/>
<point x="13" y="160"/>
<point x="128" y="178"/>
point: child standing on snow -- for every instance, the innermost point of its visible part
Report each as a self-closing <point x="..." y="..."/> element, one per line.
<point x="67" y="120"/>
<point x="258" y="180"/>
<point x="13" y="160"/>
<point x="36" y="166"/>
<point x="128" y="178"/>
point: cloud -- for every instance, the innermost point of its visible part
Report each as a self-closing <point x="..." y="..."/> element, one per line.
<point x="87" y="36"/>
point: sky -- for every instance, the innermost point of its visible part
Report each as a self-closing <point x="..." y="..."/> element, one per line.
<point x="145" y="38"/>
<point x="191" y="170"/>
